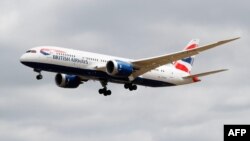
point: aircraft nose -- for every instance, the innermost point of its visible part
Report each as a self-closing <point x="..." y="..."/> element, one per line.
<point x="23" y="59"/>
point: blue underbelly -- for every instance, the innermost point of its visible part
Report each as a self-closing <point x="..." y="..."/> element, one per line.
<point x="100" y="75"/>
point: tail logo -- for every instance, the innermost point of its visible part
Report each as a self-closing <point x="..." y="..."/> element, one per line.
<point x="186" y="63"/>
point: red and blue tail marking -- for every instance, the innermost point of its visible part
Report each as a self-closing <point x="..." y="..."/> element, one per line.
<point x="187" y="63"/>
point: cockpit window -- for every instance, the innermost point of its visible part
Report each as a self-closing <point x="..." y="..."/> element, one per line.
<point x="31" y="51"/>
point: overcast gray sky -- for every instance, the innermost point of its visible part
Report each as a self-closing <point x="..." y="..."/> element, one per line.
<point x="39" y="110"/>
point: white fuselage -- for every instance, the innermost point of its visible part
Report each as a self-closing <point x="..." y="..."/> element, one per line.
<point x="91" y="66"/>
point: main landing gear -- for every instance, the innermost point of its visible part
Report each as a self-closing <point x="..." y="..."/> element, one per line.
<point x="104" y="90"/>
<point x="39" y="76"/>
<point x="130" y="86"/>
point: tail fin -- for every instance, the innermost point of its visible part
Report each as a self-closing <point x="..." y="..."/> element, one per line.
<point x="186" y="63"/>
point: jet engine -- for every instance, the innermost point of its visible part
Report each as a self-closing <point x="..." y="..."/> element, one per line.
<point x="67" y="81"/>
<point x="119" y="68"/>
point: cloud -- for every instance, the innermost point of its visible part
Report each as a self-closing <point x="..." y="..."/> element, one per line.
<point x="39" y="110"/>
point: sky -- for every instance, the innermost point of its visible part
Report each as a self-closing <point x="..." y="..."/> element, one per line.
<point x="39" y="110"/>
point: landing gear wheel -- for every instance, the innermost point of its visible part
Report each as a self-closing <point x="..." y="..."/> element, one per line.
<point x="134" y="87"/>
<point x="102" y="91"/>
<point x="105" y="92"/>
<point x="126" y="86"/>
<point x="131" y="87"/>
<point x="108" y="92"/>
<point x="39" y="77"/>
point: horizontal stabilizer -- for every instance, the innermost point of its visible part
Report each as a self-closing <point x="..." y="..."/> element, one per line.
<point x="204" y="74"/>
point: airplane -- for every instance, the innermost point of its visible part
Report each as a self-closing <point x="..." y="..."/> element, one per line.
<point x="73" y="67"/>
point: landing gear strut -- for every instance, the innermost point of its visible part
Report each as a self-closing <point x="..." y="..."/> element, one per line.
<point x="130" y="86"/>
<point x="104" y="90"/>
<point x="39" y="76"/>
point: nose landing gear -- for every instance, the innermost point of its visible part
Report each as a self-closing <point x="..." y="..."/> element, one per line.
<point x="39" y="76"/>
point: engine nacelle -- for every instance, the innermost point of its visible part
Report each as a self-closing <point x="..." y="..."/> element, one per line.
<point x="67" y="81"/>
<point x="119" y="68"/>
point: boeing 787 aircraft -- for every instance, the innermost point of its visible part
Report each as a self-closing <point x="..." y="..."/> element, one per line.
<point x="74" y="67"/>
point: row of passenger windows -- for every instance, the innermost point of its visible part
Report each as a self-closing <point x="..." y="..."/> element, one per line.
<point x="66" y="55"/>
<point x="95" y="59"/>
<point x="70" y="55"/>
<point x="159" y="70"/>
<point x="88" y="58"/>
<point x="91" y="59"/>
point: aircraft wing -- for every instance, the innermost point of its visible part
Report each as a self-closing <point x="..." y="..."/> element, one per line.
<point x="144" y="65"/>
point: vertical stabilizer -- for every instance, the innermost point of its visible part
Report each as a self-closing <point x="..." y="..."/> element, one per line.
<point x="187" y="63"/>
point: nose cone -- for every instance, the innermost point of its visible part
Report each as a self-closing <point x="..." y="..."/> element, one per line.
<point x="23" y="59"/>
